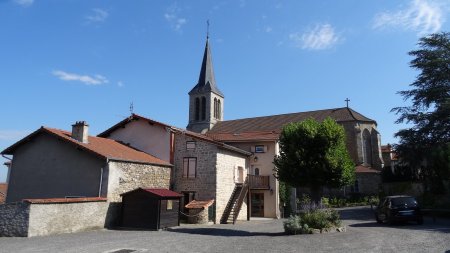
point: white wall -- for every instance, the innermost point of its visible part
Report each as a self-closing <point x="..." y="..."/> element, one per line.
<point x="152" y="139"/>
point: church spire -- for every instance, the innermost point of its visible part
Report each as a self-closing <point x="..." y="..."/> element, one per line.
<point x="206" y="80"/>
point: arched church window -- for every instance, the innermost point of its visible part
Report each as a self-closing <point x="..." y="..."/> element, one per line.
<point x="367" y="147"/>
<point x="203" y="108"/>
<point x="197" y="108"/>
<point x="219" y="109"/>
<point x="256" y="171"/>
<point x="215" y="108"/>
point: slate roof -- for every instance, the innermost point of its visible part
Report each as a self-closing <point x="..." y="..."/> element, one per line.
<point x="177" y="130"/>
<point x="102" y="147"/>
<point x="3" y="188"/>
<point x="270" y="126"/>
<point x="206" y="81"/>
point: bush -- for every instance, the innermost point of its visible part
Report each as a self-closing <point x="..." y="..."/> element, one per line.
<point x="316" y="219"/>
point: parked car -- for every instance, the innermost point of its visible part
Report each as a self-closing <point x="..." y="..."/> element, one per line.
<point x="398" y="208"/>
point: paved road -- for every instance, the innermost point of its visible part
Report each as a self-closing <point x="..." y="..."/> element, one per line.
<point x="363" y="235"/>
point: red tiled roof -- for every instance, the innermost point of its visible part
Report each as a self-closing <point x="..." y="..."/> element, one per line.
<point x="175" y="130"/>
<point x="3" y="188"/>
<point x="247" y="136"/>
<point x="197" y="204"/>
<point x="276" y="122"/>
<point x="163" y="192"/>
<point x="105" y="148"/>
<point x="64" y="200"/>
<point x="364" y="169"/>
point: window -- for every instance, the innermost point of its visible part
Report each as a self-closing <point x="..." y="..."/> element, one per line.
<point x="219" y="109"/>
<point x="169" y="204"/>
<point x="190" y="167"/>
<point x="256" y="171"/>
<point x="190" y="145"/>
<point x="197" y="109"/>
<point x="215" y="108"/>
<point x="203" y="108"/>
<point x="259" y="149"/>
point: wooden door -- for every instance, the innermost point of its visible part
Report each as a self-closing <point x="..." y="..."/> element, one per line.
<point x="257" y="207"/>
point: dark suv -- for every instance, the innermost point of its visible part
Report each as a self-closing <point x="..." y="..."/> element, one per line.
<point x="398" y="208"/>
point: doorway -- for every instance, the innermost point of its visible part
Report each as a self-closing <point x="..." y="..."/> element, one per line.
<point x="257" y="206"/>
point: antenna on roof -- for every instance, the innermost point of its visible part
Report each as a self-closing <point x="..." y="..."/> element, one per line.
<point x="347" y="100"/>
<point x="131" y="107"/>
<point x="207" y="29"/>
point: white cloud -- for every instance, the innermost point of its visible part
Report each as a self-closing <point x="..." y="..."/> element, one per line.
<point x="319" y="38"/>
<point x="24" y="3"/>
<point x="13" y="135"/>
<point x="97" y="16"/>
<point x="421" y="16"/>
<point x="172" y="16"/>
<point x="120" y="84"/>
<point x="268" y="29"/>
<point x="88" y="80"/>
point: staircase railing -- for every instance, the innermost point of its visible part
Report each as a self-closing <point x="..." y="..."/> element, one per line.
<point x="229" y="206"/>
<point x="240" y="200"/>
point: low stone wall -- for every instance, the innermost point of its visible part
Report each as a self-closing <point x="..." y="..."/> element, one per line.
<point x="52" y="216"/>
<point x="14" y="219"/>
<point x="198" y="216"/>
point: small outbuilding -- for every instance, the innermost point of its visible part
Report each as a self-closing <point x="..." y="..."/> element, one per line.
<point x="150" y="209"/>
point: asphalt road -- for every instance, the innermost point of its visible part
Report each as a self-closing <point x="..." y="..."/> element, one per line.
<point x="363" y="235"/>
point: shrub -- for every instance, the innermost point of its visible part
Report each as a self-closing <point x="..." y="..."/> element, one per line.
<point x="294" y="226"/>
<point x="315" y="219"/>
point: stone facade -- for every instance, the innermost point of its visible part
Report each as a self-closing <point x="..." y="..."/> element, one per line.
<point x="14" y="219"/>
<point x="215" y="172"/>
<point x="363" y="143"/>
<point x="124" y="177"/>
<point x="368" y="183"/>
<point x="30" y="219"/>
<point x="198" y="216"/>
<point x="228" y="166"/>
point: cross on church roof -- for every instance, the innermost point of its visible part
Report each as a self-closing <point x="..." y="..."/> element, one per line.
<point x="347" y="100"/>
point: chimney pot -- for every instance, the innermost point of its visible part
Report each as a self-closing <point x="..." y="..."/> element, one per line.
<point x="80" y="131"/>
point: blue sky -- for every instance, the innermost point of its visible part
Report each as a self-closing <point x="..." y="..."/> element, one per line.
<point x="64" y="60"/>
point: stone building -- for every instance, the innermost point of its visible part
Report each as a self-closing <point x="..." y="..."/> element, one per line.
<point x="56" y="164"/>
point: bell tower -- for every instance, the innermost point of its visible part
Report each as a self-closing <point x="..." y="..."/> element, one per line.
<point x="205" y="99"/>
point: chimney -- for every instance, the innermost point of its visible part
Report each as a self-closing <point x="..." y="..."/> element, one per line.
<point x="80" y="131"/>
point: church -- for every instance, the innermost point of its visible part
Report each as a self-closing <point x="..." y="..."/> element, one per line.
<point x="224" y="167"/>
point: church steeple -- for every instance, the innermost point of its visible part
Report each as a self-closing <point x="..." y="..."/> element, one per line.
<point x="205" y="99"/>
<point x="206" y="80"/>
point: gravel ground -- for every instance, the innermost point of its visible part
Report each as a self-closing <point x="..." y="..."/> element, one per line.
<point x="363" y="235"/>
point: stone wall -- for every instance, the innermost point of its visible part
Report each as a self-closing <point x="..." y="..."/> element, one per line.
<point x="198" y="216"/>
<point x="215" y="178"/>
<point x="47" y="219"/>
<point x="204" y="184"/>
<point x="368" y="183"/>
<point x="126" y="176"/>
<point x="14" y="219"/>
<point x="38" y="219"/>
<point x="227" y="167"/>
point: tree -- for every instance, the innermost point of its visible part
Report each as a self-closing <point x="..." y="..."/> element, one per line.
<point x="429" y="112"/>
<point x="314" y="155"/>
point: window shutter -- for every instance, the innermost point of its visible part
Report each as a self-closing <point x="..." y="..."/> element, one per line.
<point x="192" y="167"/>
<point x="185" y="167"/>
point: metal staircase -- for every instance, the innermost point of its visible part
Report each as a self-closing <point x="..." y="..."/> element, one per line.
<point x="234" y="205"/>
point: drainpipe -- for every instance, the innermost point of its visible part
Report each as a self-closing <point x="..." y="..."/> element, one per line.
<point x="101" y="182"/>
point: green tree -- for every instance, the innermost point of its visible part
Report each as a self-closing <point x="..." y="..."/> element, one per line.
<point x="429" y="111"/>
<point x="313" y="154"/>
